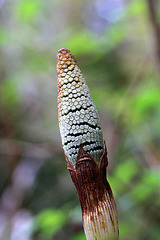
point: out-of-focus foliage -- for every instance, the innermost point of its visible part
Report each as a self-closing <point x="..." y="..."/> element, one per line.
<point x="49" y="222"/>
<point x="114" y="42"/>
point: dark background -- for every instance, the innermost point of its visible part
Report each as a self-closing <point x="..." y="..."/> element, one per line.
<point x="117" y="46"/>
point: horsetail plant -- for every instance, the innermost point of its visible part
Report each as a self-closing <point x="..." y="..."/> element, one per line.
<point x="84" y="150"/>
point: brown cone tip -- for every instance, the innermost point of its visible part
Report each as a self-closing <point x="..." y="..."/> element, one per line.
<point x="65" y="60"/>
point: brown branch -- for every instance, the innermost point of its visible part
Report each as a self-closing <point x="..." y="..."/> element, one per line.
<point x="152" y="6"/>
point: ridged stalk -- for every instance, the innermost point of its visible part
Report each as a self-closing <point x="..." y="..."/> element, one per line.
<point x="84" y="150"/>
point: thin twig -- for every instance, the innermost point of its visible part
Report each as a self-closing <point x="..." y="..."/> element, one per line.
<point x="152" y="6"/>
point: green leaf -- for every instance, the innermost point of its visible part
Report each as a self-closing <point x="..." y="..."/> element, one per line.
<point x="124" y="228"/>
<point x="81" y="42"/>
<point x="149" y="183"/>
<point x="8" y="93"/>
<point x="27" y="10"/>
<point x="147" y="99"/>
<point x="80" y="236"/>
<point x="143" y="105"/>
<point x="114" y="36"/>
<point x="137" y="7"/>
<point x="126" y="170"/>
<point x="3" y="36"/>
<point x="123" y="175"/>
<point x="49" y="221"/>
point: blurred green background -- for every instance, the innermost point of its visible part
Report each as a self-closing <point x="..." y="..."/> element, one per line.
<point x="117" y="46"/>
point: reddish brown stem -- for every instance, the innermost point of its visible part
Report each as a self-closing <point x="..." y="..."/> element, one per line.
<point x="100" y="219"/>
